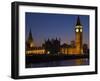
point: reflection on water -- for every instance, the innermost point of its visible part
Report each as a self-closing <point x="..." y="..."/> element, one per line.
<point x="72" y="62"/>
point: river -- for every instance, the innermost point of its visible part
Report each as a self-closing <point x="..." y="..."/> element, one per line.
<point x="72" y="62"/>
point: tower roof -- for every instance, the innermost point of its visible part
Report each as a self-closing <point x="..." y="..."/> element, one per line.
<point x="78" y="21"/>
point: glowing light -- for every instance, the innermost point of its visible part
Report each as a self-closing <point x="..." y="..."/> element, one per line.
<point x="40" y="51"/>
<point x="77" y="30"/>
<point x="48" y="52"/>
<point x="80" y="30"/>
<point x="78" y="26"/>
<point x="31" y="45"/>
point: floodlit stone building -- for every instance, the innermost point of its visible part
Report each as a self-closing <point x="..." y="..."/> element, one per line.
<point x="54" y="47"/>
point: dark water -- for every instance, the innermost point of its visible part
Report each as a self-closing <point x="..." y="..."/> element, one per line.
<point x="72" y="62"/>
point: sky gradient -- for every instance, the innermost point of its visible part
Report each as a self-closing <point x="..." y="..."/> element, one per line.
<point x="46" y="25"/>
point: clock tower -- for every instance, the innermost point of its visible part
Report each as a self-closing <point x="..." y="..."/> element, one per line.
<point x="78" y="36"/>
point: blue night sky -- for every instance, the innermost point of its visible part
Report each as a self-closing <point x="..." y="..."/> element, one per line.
<point x="47" y="25"/>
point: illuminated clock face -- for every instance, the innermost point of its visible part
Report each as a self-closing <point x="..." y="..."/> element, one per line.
<point x="80" y="30"/>
<point x="77" y="30"/>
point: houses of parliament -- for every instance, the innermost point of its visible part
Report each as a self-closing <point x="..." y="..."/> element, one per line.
<point x="53" y="46"/>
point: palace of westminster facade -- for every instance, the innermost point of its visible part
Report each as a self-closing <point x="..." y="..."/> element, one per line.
<point x="53" y="46"/>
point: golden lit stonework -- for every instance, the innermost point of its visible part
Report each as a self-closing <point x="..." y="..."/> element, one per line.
<point x="74" y="48"/>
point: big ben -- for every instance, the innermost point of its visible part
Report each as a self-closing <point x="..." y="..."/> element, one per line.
<point x="78" y="36"/>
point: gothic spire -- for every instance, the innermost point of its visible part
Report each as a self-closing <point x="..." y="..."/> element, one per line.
<point x="30" y="35"/>
<point x="78" y="22"/>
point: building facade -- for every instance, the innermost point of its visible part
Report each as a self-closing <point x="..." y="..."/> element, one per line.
<point x="76" y="48"/>
<point x="53" y="46"/>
